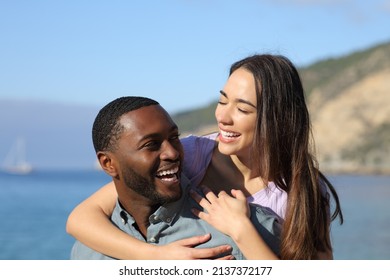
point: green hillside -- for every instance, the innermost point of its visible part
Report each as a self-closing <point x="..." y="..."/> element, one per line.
<point x="194" y="119"/>
<point x="336" y="74"/>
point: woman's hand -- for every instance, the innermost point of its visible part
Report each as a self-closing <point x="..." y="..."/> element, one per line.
<point x="183" y="250"/>
<point x="224" y="212"/>
<point x="230" y="215"/>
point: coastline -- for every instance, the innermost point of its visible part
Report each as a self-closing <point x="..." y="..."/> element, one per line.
<point x="356" y="170"/>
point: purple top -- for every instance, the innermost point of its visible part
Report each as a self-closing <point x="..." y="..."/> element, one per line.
<point x="197" y="156"/>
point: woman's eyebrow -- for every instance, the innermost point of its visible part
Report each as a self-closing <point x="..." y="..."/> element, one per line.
<point x="223" y="93"/>
<point x="239" y="100"/>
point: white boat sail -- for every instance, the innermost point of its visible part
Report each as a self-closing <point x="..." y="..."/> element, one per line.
<point x="15" y="161"/>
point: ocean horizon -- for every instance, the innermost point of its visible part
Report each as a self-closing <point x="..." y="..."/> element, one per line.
<point x="34" y="209"/>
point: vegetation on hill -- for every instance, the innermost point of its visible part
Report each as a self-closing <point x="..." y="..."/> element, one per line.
<point x="194" y="120"/>
<point x="336" y="74"/>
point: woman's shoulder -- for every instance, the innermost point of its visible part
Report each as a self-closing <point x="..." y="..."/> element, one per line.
<point x="198" y="151"/>
<point x="195" y="139"/>
<point x="198" y="144"/>
<point x="271" y="197"/>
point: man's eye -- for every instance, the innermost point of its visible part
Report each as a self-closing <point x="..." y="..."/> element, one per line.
<point x="152" y="145"/>
<point x="175" y="137"/>
<point x="221" y="102"/>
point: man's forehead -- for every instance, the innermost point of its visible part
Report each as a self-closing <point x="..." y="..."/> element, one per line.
<point x="145" y="118"/>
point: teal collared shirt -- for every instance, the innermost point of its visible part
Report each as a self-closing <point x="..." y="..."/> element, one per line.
<point x="175" y="221"/>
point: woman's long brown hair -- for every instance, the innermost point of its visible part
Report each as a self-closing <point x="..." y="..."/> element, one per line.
<point x="282" y="153"/>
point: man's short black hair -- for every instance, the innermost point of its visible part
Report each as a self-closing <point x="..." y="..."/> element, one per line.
<point x="106" y="127"/>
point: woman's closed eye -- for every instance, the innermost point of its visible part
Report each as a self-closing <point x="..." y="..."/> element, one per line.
<point x="243" y="111"/>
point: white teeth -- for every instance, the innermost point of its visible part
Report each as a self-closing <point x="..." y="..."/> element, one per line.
<point x="229" y="134"/>
<point x="172" y="179"/>
<point x="168" y="172"/>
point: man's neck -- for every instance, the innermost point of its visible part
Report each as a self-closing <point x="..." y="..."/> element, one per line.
<point x="140" y="210"/>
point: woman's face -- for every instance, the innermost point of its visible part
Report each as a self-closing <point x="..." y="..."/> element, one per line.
<point x="236" y="114"/>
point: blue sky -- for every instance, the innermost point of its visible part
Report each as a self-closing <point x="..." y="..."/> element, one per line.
<point x="175" y="51"/>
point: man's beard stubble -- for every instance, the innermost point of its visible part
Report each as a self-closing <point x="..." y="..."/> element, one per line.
<point x="145" y="187"/>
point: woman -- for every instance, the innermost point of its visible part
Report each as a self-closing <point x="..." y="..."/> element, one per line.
<point x="262" y="151"/>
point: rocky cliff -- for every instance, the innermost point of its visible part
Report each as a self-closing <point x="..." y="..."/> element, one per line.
<point x="351" y="112"/>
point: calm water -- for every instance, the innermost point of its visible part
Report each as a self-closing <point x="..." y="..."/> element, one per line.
<point x="34" y="209"/>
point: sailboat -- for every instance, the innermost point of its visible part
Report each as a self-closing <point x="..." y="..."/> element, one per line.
<point x="15" y="161"/>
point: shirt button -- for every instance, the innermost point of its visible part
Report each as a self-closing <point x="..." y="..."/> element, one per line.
<point x="168" y="220"/>
<point x="152" y="239"/>
<point x="123" y="217"/>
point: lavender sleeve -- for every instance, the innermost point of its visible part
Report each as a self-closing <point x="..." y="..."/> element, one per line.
<point x="197" y="156"/>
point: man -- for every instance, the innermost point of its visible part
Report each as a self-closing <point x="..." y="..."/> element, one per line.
<point x="137" y="144"/>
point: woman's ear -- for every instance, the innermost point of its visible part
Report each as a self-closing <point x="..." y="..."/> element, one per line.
<point x="107" y="163"/>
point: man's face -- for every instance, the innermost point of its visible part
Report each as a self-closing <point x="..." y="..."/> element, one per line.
<point x="149" y="154"/>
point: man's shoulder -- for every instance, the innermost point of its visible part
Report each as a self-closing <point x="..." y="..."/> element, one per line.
<point x="263" y="214"/>
<point x="268" y="224"/>
<point x="80" y="251"/>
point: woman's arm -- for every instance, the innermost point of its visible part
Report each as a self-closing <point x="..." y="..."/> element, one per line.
<point x="89" y="223"/>
<point x="230" y="215"/>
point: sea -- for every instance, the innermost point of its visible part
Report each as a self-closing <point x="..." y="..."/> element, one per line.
<point x="34" y="209"/>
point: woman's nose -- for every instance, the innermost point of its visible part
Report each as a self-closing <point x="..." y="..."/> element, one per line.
<point x="222" y="114"/>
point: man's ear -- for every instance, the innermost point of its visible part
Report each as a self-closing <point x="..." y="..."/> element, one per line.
<point x="107" y="163"/>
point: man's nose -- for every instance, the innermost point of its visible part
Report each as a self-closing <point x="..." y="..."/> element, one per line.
<point x="169" y="151"/>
